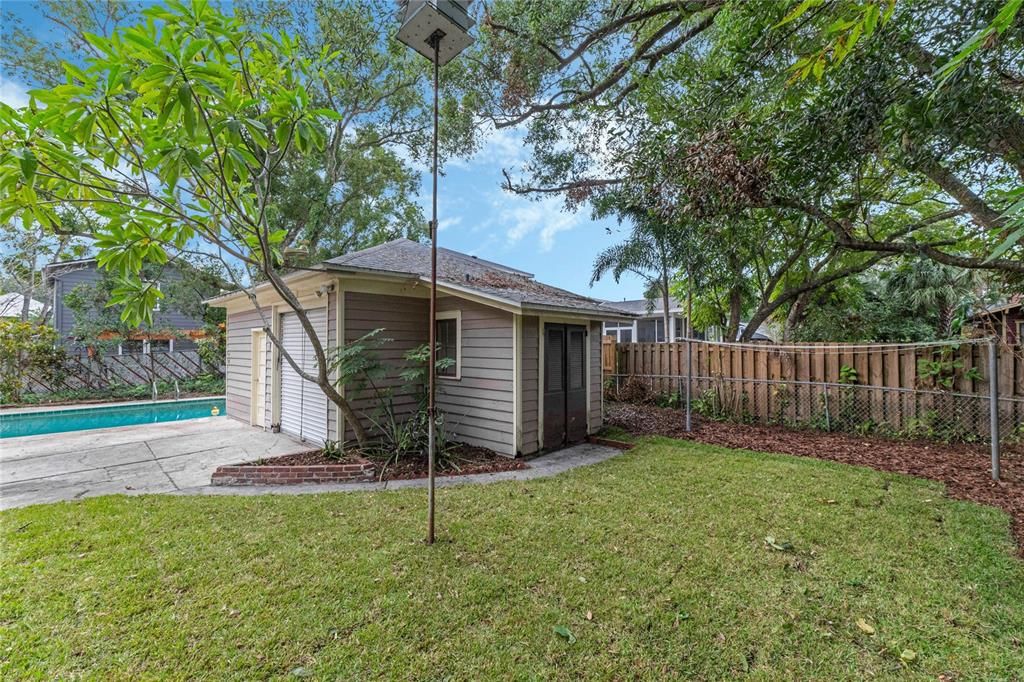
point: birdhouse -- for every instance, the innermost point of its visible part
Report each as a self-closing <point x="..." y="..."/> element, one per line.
<point x="447" y="21"/>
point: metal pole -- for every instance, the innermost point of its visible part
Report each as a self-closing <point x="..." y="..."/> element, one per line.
<point x="993" y="387"/>
<point x="689" y="336"/>
<point x="435" y="41"/>
<point x="828" y="416"/>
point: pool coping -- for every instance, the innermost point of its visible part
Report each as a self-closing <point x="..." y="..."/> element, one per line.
<point x="38" y="409"/>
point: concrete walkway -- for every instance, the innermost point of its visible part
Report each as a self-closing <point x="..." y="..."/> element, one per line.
<point x="550" y="464"/>
<point x="179" y="457"/>
<point x="149" y="458"/>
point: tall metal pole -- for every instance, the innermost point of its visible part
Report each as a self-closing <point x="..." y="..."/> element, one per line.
<point x="435" y="42"/>
<point x="993" y="413"/>
<point x="689" y="338"/>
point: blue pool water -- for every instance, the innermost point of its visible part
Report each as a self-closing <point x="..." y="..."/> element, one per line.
<point x="80" y="419"/>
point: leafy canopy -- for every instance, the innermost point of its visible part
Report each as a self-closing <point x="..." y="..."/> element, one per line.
<point x="173" y="135"/>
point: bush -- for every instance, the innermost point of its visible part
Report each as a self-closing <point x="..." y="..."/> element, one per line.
<point x="27" y="348"/>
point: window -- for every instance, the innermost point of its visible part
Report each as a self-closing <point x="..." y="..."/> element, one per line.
<point x="1020" y="332"/>
<point x="160" y="346"/>
<point x="449" y="343"/>
<point x="623" y="332"/>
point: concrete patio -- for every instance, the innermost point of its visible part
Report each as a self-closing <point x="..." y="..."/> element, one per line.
<point x="150" y="458"/>
<point x="179" y="457"/>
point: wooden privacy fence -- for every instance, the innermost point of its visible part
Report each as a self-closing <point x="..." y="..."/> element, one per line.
<point x="135" y="369"/>
<point x="940" y="389"/>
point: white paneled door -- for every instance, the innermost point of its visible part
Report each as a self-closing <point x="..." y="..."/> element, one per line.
<point x="303" y="404"/>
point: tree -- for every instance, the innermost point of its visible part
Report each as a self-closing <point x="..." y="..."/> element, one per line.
<point x="175" y="135"/>
<point x="24" y="253"/>
<point x="653" y="251"/>
<point x="935" y="291"/>
<point x="358" y="190"/>
<point x="698" y="105"/>
<point x="859" y="309"/>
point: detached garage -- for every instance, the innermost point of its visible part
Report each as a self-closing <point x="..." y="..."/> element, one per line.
<point x="526" y="357"/>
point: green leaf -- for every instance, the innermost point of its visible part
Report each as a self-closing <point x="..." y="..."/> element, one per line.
<point x="565" y="633"/>
<point x="798" y="11"/>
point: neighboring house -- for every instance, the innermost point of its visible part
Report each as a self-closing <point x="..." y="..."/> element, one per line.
<point x="1005" y="320"/>
<point x="527" y="356"/>
<point x="649" y="327"/>
<point x="12" y="304"/>
<point x="170" y="331"/>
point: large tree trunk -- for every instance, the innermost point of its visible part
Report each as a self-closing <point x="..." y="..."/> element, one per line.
<point x="735" y="312"/>
<point x="796" y="315"/>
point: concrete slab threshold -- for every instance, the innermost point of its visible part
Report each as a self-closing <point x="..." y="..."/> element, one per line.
<point x="551" y="464"/>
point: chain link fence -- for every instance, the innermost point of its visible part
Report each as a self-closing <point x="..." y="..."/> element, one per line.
<point x="941" y="392"/>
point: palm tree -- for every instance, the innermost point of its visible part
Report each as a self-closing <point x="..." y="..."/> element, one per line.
<point x="654" y="251"/>
<point x="935" y="290"/>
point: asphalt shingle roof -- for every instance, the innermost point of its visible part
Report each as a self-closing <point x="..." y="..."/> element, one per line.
<point x="404" y="256"/>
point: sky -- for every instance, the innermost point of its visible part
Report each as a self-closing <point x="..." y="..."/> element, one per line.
<point x="475" y="215"/>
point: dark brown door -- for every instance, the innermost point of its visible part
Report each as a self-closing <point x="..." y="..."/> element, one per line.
<point x="565" y="384"/>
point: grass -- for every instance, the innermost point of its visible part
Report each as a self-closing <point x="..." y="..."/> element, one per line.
<point x="654" y="562"/>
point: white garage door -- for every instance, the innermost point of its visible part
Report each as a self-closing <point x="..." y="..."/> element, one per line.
<point x="303" y="404"/>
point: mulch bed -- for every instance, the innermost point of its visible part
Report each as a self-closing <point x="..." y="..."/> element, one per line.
<point x="463" y="460"/>
<point x="964" y="469"/>
<point x="309" y="458"/>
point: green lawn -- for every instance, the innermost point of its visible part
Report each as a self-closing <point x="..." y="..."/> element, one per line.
<point x="664" y="548"/>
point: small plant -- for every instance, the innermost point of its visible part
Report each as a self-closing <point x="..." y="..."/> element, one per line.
<point x="671" y="399"/>
<point x="848" y="375"/>
<point x="334" y="450"/>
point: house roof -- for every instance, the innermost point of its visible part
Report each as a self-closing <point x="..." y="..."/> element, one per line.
<point x="12" y="303"/>
<point x="476" y="275"/>
<point x="647" y="307"/>
<point x="1014" y="301"/>
<point x="56" y="268"/>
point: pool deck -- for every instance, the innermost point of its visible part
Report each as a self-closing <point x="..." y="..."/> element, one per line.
<point x="148" y="458"/>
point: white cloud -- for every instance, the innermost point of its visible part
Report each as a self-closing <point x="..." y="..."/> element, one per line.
<point x="446" y="223"/>
<point x="13" y="94"/>
<point x="502" y="148"/>
<point x="545" y="218"/>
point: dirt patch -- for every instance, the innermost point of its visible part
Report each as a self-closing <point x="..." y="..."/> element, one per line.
<point x="964" y="469"/>
<point x="463" y="460"/>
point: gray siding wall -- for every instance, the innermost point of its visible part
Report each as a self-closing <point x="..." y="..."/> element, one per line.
<point x="404" y="321"/>
<point x="238" y="363"/>
<point x="479" y="404"/>
<point x="87" y="273"/>
<point x="596" y="380"/>
<point x="529" y="405"/>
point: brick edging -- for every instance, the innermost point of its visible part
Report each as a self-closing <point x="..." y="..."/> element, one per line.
<point x="271" y="474"/>
<point x="618" y="444"/>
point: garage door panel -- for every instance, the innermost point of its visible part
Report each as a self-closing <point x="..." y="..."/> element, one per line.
<point x="303" y="404"/>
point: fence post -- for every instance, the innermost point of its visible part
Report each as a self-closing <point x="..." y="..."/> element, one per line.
<point x="993" y="387"/>
<point x="828" y="416"/>
<point x="689" y="380"/>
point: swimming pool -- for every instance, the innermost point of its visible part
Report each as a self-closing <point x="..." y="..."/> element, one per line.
<point x="105" y="416"/>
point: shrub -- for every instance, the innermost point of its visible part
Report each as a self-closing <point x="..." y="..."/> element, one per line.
<point x="27" y="348"/>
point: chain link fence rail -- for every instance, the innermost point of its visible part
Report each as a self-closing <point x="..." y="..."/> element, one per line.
<point x="940" y="391"/>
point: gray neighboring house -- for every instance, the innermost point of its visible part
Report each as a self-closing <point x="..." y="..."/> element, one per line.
<point x="171" y="330"/>
<point x="527" y="356"/>
<point x="649" y="326"/>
